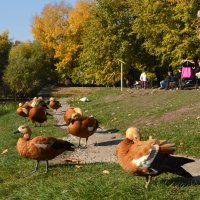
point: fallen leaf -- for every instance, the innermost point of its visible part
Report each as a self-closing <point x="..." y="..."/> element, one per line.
<point x="148" y="124"/>
<point x="78" y="166"/>
<point x="181" y="144"/>
<point x="4" y="151"/>
<point x="106" y="172"/>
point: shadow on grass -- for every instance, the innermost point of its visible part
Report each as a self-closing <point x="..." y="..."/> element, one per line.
<point x="60" y="125"/>
<point x="109" y="143"/>
<point x="181" y="181"/>
<point x="108" y="131"/>
<point x="65" y="164"/>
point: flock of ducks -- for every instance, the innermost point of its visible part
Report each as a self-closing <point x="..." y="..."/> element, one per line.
<point x="43" y="148"/>
<point x="146" y="158"/>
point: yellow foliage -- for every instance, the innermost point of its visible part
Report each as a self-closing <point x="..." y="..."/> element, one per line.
<point x="78" y="17"/>
<point x="151" y="76"/>
<point x="50" y="28"/>
<point x="59" y="28"/>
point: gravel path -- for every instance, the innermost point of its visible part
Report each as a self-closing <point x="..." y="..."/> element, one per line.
<point x="102" y="145"/>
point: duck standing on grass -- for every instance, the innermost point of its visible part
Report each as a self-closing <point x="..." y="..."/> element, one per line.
<point x="149" y="158"/>
<point x="82" y="126"/>
<point x="40" y="148"/>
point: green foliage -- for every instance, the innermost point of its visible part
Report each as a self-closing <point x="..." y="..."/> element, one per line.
<point x="166" y="27"/>
<point x="85" y="42"/>
<point x="107" y="37"/>
<point x="5" y="46"/>
<point x="90" y="38"/>
<point x="27" y="70"/>
<point x="151" y="76"/>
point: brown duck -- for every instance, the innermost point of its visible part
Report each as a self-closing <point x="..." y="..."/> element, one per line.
<point x="82" y="126"/>
<point x="54" y="104"/>
<point x="38" y="114"/>
<point x="69" y="112"/>
<point x="23" y="110"/>
<point x="40" y="148"/>
<point x="149" y="158"/>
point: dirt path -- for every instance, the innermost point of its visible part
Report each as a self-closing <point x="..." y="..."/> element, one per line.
<point x="102" y="145"/>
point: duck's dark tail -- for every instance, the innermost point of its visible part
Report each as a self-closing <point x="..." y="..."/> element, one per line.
<point x="62" y="144"/>
<point x="175" y="165"/>
<point x="168" y="163"/>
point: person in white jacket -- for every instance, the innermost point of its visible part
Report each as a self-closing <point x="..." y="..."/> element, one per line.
<point x="143" y="80"/>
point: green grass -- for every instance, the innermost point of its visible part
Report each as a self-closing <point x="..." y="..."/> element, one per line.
<point x="119" y="110"/>
<point x="115" y="109"/>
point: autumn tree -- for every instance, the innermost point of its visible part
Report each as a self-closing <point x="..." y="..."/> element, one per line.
<point x="69" y="50"/>
<point x="107" y="38"/>
<point x="28" y="69"/>
<point x="50" y="29"/>
<point x="166" y="28"/>
<point x="58" y="29"/>
<point x="5" y="46"/>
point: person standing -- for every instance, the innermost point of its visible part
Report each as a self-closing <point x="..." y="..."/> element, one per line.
<point x="143" y="80"/>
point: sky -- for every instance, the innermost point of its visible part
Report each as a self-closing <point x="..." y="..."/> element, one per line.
<point x="16" y="16"/>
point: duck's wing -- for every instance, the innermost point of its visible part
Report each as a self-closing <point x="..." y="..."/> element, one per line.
<point x="25" y="110"/>
<point x="43" y="142"/>
<point x="143" y="154"/>
<point x="52" y="143"/>
<point x="155" y="155"/>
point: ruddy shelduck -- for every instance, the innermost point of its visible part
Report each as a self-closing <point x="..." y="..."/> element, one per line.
<point x="54" y="104"/>
<point x="149" y="158"/>
<point x="68" y="114"/>
<point x="38" y="114"/>
<point x="40" y="148"/>
<point x="82" y="126"/>
<point x="23" y="110"/>
<point x="38" y="101"/>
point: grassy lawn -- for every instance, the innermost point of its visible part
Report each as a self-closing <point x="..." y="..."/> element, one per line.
<point x="172" y="115"/>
